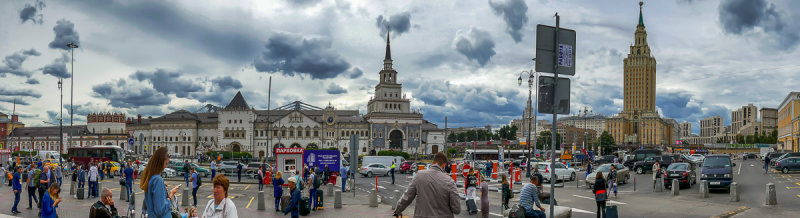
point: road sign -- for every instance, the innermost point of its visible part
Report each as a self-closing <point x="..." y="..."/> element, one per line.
<point x="130" y="141"/>
<point x="546" y="48"/>
<point x="546" y="95"/>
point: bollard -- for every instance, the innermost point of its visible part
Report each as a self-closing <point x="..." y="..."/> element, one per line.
<point x="704" y="189"/>
<point x="734" y="192"/>
<point x="330" y="190"/>
<point x="72" y="188"/>
<point x="121" y="191"/>
<point x="634" y="184"/>
<point x="262" y="205"/>
<point x="337" y="199"/>
<point x="132" y="200"/>
<point x="99" y="188"/>
<point x="185" y="199"/>
<point x="676" y="187"/>
<point x="771" y="197"/>
<point x="373" y="199"/>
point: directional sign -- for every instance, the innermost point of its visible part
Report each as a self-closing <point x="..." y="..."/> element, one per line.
<point x="546" y="49"/>
<point x="130" y="142"/>
<point x="546" y="95"/>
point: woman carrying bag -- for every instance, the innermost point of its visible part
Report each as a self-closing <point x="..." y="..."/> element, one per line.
<point x="156" y="197"/>
<point x="600" y="194"/>
<point x="507" y="193"/>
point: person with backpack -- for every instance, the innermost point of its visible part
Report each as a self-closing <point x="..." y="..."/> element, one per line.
<point x="32" y="182"/>
<point x="471" y="184"/>
<point x="315" y="184"/>
<point x="44" y="183"/>
<point x="93" y="176"/>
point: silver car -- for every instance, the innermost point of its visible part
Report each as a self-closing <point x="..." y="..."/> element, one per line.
<point x="623" y="174"/>
<point x="374" y="169"/>
<point x="229" y="167"/>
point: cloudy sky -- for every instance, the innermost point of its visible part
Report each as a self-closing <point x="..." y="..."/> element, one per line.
<point x="459" y="59"/>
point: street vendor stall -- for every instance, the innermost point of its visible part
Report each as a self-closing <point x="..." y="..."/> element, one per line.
<point x="289" y="160"/>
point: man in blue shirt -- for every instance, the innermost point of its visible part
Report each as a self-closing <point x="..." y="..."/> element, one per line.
<point x="128" y="174"/>
<point x="344" y="178"/>
<point x="31" y="188"/>
<point x="213" y="169"/>
<point x="17" y="189"/>
<point x="44" y="183"/>
<point x="194" y="186"/>
<point x="239" y="172"/>
<point x="294" y="203"/>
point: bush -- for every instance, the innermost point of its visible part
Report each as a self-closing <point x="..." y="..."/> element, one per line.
<point x="393" y="153"/>
<point x="24" y="153"/>
<point x="227" y="155"/>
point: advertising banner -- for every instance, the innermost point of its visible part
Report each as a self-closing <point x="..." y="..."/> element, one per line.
<point x="314" y="158"/>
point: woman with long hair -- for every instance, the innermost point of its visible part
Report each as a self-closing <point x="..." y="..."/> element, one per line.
<point x="601" y="196"/>
<point x="50" y="201"/>
<point x="507" y="194"/>
<point x="277" y="187"/>
<point x="156" y="198"/>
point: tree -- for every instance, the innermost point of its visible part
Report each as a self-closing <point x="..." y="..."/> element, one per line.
<point x="507" y="132"/>
<point x="606" y="141"/>
<point x="546" y="139"/>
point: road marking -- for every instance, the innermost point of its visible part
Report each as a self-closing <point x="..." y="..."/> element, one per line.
<point x="740" y="170"/>
<point x="582" y="211"/>
<point x="251" y="201"/>
<point x="612" y="201"/>
<point x="752" y="165"/>
<point x="246" y="187"/>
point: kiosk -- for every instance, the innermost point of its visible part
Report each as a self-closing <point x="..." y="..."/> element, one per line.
<point x="288" y="160"/>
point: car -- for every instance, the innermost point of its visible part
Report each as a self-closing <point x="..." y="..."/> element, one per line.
<point x="640" y="155"/>
<point x="788" y="164"/>
<point x="697" y="157"/>
<point x="623" y="174"/>
<point x="604" y="159"/>
<point x="717" y="169"/>
<point x="785" y="155"/>
<point x="407" y="167"/>
<point x="167" y="173"/>
<point x="202" y="172"/>
<point x="774" y="156"/>
<point x="561" y="171"/>
<point x="752" y="156"/>
<point x="252" y="169"/>
<point x="374" y="169"/>
<point x="228" y="167"/>
<point x="683" y="172"/>
<point x="114" y="167"/>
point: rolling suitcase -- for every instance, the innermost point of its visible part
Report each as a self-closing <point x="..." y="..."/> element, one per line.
<point x="611" y="212"/>
<point x="80" y="193"/>
<point x="472" y="209"/>
<point x="305" y="206"/>
<point x="320" y="199"/>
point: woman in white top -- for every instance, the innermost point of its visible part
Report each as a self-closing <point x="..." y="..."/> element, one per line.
<point x="221" y="206"/>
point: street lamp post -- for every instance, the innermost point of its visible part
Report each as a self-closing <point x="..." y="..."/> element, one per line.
<point x="72" y="46"/>
<point x="530" y="115"/>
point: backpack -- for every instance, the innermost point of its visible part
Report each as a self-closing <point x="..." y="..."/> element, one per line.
<point x="471" y="181"/>
<point x="36" y="174"/>
<point x="199" y="180"/>
<point x="300" y="183"/>
<point x="317" y="182"/>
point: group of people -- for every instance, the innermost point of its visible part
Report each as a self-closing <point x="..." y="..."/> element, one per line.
<point x="311" y="179"/>
<point x="37" y="178"/>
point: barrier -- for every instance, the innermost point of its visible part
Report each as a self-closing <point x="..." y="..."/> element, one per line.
<point x="330" y="190"/>
<point x="771" y="197"/>
<point x="337" y="199"/>
<point x="122" y="191"/>
<point x="453" y="170"/>
<point x="494" y="170"/>
<point x="185" y="199"/>
<point x="261" y="201"/>
<point x="704" y="189"/>
<point x="734" y="192"/>
<point x="373" y="199"/>
<point x="676" y="187"/>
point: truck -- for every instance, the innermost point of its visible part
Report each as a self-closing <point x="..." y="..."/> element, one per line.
<point x="385" y="160"/>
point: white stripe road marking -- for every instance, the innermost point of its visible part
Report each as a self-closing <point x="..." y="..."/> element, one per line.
<point x="612" y="201"/>
<point x="582" y="211"/>
<point x="740" y="170"/>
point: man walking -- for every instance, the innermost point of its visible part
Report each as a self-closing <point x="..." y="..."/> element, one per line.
<point x="17" y="190"/>
<point x="214" y="169"/>
<point x="588" y="168"/>
<point x="128" y="174"/>
<point x="31" y="188"/>
<point x="238" y="172"/>
<point x="58" y="174"/>
<point x="186" y="172"/>
<point x="44" y="183"/>
<point x="434" y="191"/>
<point x="392" y="172"/>
<point x="766" y="164"/>
<point x="93" y="174"/>
<point x="195" y="186"/>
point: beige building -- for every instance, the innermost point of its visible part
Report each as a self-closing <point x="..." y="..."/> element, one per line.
<point x="686" y="129"/>
<point x="711" y="126"/>
<point x="596" y="123"/>
<point x="742" y="117"/>
<point x="769" y="120"/>
<point x="639" y="122"/>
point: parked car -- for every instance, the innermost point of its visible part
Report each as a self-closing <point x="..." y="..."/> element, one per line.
<point x="774" y="156"/>
<point x="202" y="172"/>
<point x="252" y="169"/>
<point x="751" y="156"/>
<point x="640" y="155"/>
<point x="166" y="174"/>
<point x="375" y="169"/>
<point x="646" y="165"/>
<point x="228" y="167"/>
<point x="683" y="172"/>
<point x="623" y="174"/>
<point x="561" y="171"/>
<point x="717" y="169"/>
<point x="407" y="167"/>
<point x="786" y="155"/>
<point x="697" y="157"/>
<point x="604" y="159"/>
<point x="788" y="164"/>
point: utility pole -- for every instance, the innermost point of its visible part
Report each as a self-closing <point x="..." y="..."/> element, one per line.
<point x="555" y="123"/>
<point x="269" y="123"/>
<point x="72" y="46"/>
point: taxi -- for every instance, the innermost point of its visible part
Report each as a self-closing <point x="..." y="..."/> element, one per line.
<point x="114" y="167"/>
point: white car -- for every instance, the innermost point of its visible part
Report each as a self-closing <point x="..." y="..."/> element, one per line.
<point x="167" y="173"/>
<point x="623" y="174"/>
<point x="561" y="171"/>
<point x="697" y="158"/>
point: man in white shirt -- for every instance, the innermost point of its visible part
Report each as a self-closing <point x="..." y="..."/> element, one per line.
<point x="93" y="180"/>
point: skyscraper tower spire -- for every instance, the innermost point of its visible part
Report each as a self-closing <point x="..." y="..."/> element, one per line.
<point x="388" y="50"/>
<point x="641" y="21"/>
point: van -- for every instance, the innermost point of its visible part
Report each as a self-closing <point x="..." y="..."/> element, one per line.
<point x="640" y="155"/>
<point x="385" y="160"/>
<point x="717" y="169"/>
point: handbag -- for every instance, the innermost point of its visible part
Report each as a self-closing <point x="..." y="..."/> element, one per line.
<point x="601" y="197"/>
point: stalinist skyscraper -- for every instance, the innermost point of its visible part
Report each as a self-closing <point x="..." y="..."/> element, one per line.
<point x="639" y="122"/>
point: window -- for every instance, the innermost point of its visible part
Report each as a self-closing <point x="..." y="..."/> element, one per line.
<point x="289" y="165"/>
<point x="316" y="133"/>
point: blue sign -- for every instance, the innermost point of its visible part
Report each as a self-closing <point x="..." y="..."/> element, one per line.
<point x="130" y="141"/>
<point x="321" y="158"/>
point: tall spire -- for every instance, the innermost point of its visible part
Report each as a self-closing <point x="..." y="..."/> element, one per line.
<point x="388" y="51"/>
<point x="641" y="21"/>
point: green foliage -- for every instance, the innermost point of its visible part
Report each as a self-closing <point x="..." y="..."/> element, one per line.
<point x="393" y="153"/>
<point x="606" y="139"/>
<point x="24" y="153"/>
<point x="545" y="138"/>
<point x="452" y="151"/>
<point x="227" y="155"/>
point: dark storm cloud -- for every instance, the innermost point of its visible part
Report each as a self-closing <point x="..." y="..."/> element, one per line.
<point x="12" y="100"/>
<point x="65" y="34"/>
<point x="32" y="81"/>
<point x="227" y="82"/>
<point x="29" y="12"/>
<point x="335" y="89"/>
<point x="466" y="105"/>
<point x="228" y="40"/>
<point x="8" y="91"/>
<point x="168" y="82"/>
<point x="742" y="16"/>
<point x="123" y="94"/>
<point x="400" y="23"/>
<point x="292" y="54"/>
<point x="58" y="68"/>
<point x="354" y="73"/>
<point x="515" y="15"/>
<point x="12" y="64"/>
<point x="475" y="44"/>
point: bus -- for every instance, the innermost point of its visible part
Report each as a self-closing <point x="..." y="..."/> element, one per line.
<point x="494" y="154"/>
<point x="84" y="155"/>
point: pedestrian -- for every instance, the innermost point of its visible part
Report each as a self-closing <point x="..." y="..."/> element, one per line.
<point x="128" y="174"/>
<point x="766" y="164"/>
<point x="221" y="206"/>
<point x="612" y="179"/>
<point x="600" y="194"/>
<point x="343" y="173"/>
<point x="93" y="175"/>
<point x="50" y="201"/>
<point x="31" y="188"/>
<point x="239" y="171"/>
<point x="186" y="171"/>
<point x="17" y="189"/>
<point x="506" y="189"/>
<point x="484" y="197"/>
<point x="471" y="184"/>
<point x="277" y="189"/>
<point x="392" y="172"/>
<point x="656" y="173"/>
<point x="260" y="178"/>
<point x="3" y="174"/>
<point x="44" y="183"/>
<point x="538" y="174"/>
<point x="102" y="170"/>
<point x="294" y="203"/>
<point x="435" y="192"/>
<point x="588" y="168"/>
<point x="195" y="186"/>
<point x="529" y="196"/>
<point x="59" y="174"/>
<point x="327" y="173"/>
<point x="314" y="183"/>
<point x="213" y="169"/>
<point x="104" y="207"/>
<point x="156" y="197"/>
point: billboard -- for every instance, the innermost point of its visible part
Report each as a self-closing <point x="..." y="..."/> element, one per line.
<point x="314" y="158"/>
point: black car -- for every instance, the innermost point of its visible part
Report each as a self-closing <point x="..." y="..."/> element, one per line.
<point x="605" y="159"/>
<point x="683" y="172"/>
<point x="640" y="155"/>
<point x="647" y="164"/>
<point x="750" y="156"/>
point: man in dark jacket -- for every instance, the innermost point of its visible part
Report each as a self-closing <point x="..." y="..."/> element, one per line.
<point x="104" y="207"/>
<point x="294" y="203"/>
<point x="186" y="167"/>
